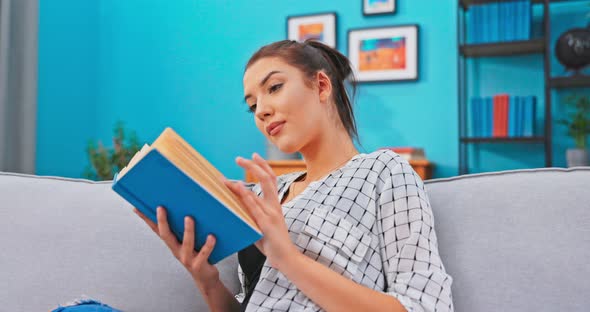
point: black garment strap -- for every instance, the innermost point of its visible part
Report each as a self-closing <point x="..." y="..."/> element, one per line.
<point x="251" y="261"/>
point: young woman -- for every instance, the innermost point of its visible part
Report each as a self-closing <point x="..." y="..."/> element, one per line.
<point x="354" y="232"/>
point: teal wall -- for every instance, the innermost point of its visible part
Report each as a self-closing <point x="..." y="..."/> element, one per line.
<point x="67" y="85"/>
<point x="179" y="63"/>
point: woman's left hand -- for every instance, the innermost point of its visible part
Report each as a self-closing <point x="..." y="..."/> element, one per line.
<point x="267" y="212"/>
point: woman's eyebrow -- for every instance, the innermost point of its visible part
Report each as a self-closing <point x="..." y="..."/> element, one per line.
<point x="262" y="82"/>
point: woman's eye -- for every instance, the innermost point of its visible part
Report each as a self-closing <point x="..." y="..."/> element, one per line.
<point x="275" y="87"/>
<point x="252" y="108"/>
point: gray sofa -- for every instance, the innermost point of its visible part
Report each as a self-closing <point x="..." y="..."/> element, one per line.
<point x="512" y="241"/>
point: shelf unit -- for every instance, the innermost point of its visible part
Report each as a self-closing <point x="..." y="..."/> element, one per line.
<point x="507" y="49"/>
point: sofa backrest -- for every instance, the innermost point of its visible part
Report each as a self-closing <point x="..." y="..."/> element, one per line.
<point x="61" y="239"/>
<point x="516" y="240"/>
<point x="512" y="241"/>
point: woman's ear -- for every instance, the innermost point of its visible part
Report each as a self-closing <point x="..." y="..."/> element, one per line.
<point x="324" y="86"/>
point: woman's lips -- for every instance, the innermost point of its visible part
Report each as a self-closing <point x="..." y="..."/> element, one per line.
<point x="276" y="129"/>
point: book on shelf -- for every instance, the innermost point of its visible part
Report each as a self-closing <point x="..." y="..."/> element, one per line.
<point x="172" y="174"/>
<point x="502" y="116"/>
<point x="501" y="21"/>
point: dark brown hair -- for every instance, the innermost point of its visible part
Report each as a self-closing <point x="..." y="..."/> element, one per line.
<point x="311" y="57"/>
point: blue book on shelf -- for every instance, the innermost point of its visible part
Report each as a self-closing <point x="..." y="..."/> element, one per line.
<point x="520" y="19"/>
<point x="512" y="117"/>
<point x="473" y="119"/>
<point x="494" y="21"/>
<point x="502" y="21"/>
<point x="487" y="31"/>
<point x="476" y="16"/>
<point x="476" y="110"/>
<point x="509" y="26"/>
<point x="528" y="20"/>
<point x="489" y="104"/>
<point x="155" y="180"/>
<point x="514" y="23"/>
<point x="529" y="116"/>
<point x="518" y="120"/>
<point x="472" y="25"/>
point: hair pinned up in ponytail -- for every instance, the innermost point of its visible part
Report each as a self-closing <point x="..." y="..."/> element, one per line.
<point x="311" y="57"/>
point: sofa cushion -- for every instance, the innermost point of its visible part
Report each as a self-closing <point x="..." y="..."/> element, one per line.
<point x="64" y="238"/>
<point x="516" y="240"/>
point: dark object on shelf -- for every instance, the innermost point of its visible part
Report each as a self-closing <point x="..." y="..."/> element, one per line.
<point x="573" y="49"/>
<point x="508" y="48"/>
<point x="578" y="81"/>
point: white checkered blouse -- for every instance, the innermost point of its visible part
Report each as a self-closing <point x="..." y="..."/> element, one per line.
<point x="370" y="221"/>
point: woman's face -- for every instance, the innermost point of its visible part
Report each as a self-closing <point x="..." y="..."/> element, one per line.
<point x="286" y="109"/>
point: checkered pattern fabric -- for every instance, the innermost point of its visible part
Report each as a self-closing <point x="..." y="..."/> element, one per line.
<point x="370" y="221"/>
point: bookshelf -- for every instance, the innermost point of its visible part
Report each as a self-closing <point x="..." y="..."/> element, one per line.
<point x="541" y="46"/>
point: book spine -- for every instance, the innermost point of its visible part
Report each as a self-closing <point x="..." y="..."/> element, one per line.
<point x="120" y="189"/>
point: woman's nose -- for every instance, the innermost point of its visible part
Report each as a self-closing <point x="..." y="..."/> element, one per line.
<point x="263" y="109"/>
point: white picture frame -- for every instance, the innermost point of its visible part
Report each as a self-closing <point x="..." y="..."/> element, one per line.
<point x="384" y="53"/>
<point x="378" y="7"/>
<point x="321" y="27"/>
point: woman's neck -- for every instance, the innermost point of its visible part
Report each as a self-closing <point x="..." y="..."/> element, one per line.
<point x="329" y="153"/>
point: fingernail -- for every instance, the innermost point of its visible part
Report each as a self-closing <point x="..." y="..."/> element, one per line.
<point x="185" y="221"/>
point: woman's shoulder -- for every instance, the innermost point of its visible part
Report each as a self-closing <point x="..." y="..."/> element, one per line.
<point x="382" y="160"/>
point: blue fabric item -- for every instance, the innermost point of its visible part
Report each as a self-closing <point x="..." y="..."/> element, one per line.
<point x="86" y="305"/>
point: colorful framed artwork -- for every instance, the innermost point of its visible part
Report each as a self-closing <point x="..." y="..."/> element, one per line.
<point x="378" y="7"/>
<point x="384" y="53"/>
<point x="321" y="27"/>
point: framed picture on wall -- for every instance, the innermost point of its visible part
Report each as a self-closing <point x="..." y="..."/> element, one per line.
<point x="384" y="53"/>
<point x="378" y="7"/>
<point x="321" y="27"/>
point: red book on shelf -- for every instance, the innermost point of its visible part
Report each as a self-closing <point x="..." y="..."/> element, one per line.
<point x="497" y="125"/>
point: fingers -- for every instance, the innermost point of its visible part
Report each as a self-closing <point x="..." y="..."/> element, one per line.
<point x="252" y="203"/>
<point x="188" y="242"/>
<point x="205" y="252"/>
<point x="263" y="164"/>
<point x="164" y="231"/>
<point x="243" y="194"/>
<point x="149" y="222"/>
<point x="185" y="252"/>
<point x="268" y="181"/>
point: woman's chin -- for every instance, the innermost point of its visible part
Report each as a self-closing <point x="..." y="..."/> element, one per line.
<point x="286" y="148"/>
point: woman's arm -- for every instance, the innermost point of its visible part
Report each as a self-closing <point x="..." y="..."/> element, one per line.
<point x="332" y="291"/>
<point x="219" y="298"/>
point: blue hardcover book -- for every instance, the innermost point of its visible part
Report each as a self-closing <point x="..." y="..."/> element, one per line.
<point x="476" y="16"/>
<point x="487" y="31"/>
<point x="521" y="116"/>
<point x="170" y="173"/>
<point x="517" y="121"/>
<point x="474" y="114"/>
<point x="529" y="116"/>
<point x="520" y="19"/>
<point x="528" y="20"/>
<point x="490" y="116"/>
<point x="512" y="117"/>
<point x="509" y="27"/>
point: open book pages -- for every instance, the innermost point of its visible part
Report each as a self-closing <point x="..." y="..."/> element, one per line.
<point x="187" y="159"/>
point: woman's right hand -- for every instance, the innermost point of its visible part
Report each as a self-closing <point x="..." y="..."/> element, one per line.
<point x="204" y="274"/>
